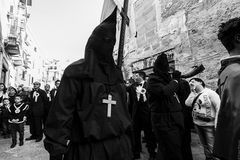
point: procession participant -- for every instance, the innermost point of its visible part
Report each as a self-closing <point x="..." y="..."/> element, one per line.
<point x="38" y="100"/>
<point x="227" y="137"/>
<point x="140" y="113"/>
<point x="17" y="112"/>
<point x="89" y="116"/>
<point x="183" y="93"/>
<point x="53" y="92"/>
<point x="166" y="110"/>
<point x="49" y="102"/>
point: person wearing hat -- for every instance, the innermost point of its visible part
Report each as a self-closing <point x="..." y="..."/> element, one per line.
<point x="166" y="110"/>
<point x="38" y="101"/>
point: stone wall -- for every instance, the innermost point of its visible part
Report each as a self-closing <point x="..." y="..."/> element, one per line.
<point x="188" y="26"/>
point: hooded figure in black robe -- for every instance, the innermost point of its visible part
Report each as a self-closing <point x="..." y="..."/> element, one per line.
<point x="166" y="110"/>
<point x="79" y="124"/>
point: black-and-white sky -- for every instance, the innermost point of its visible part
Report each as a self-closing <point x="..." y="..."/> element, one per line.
<point x="61" y="28"/>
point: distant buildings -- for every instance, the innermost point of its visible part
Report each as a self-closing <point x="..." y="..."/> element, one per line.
<point x="21" y="61"/>
<point x="15" y="51"/>
<point x="53" y="70"/>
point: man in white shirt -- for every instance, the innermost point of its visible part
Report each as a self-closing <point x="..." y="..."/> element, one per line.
<point x="205" y="103"/>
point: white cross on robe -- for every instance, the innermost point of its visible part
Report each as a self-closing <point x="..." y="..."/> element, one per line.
<point x="110" y="102"/>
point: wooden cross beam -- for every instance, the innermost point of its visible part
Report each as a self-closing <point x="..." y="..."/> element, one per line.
<point x="125" y="21"/>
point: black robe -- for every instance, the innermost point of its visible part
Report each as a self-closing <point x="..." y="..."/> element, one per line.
<point x="77" y="124"/>
<point x="166" y="115"/>
<point x="37" y="107"/>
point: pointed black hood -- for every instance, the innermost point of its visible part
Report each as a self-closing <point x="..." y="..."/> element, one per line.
<point x="102" y="41"/>
<point x="98" y="62"/>
<point x="161" y="67"/>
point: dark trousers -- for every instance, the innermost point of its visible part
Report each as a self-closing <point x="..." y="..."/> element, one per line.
<point x="142" y="122"/>
<point x="0" y="123"/>
<point x="169" y="140"/>
<point x="36" y="127"/>
<point x="17" y="128"/>
<point x="186" y="145"/>
<point x="5" y="126"/>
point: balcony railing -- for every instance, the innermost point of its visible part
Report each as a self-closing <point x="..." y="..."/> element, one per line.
<point x="17" y="61"/>
<point x="12" y="46"/>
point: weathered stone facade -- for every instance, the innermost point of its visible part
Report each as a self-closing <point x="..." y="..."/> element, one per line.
<point x="187" y="27"/>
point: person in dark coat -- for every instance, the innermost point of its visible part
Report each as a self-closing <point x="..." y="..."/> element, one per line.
<point x="140" y="113"/>
<point x="49" y="102"/>
<point x="38" y="101"/>
<point x="89" y="118"/>
<point x="183" y="93"/>
<point x="53" y="92"/>
<point x="166" y="111"/>
<point x="227" y="135"/>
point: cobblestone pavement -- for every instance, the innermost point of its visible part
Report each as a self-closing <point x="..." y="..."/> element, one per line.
<point x="32" y="150"/>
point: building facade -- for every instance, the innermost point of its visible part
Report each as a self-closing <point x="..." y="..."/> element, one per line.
<point x="53" y="70"/>
<point x="18" y="50"/>
<point x="186" y="30"/>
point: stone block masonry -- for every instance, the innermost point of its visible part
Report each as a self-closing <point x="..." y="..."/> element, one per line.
<point x="188" y="26"/>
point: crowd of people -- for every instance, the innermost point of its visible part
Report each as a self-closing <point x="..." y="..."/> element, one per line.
<point x="94" y="115"/>
<point x="19" y="107"/>
<point x="166" y="107"/>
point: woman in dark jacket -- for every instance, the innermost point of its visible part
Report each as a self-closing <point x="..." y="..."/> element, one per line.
<point x="166" y="111"/>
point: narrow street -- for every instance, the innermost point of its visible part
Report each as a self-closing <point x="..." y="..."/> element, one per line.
<point x="35" y="151"/>
<point x="29" y="151"/>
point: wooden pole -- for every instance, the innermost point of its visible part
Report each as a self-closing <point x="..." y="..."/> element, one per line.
<point x="125" y="21"/>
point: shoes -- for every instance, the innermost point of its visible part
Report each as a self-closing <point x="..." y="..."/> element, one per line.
<point x="38" y="139"/>
<point x="30" y="138"/>
<point x="13" y="145"/>
<point x="21" y="143"/>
